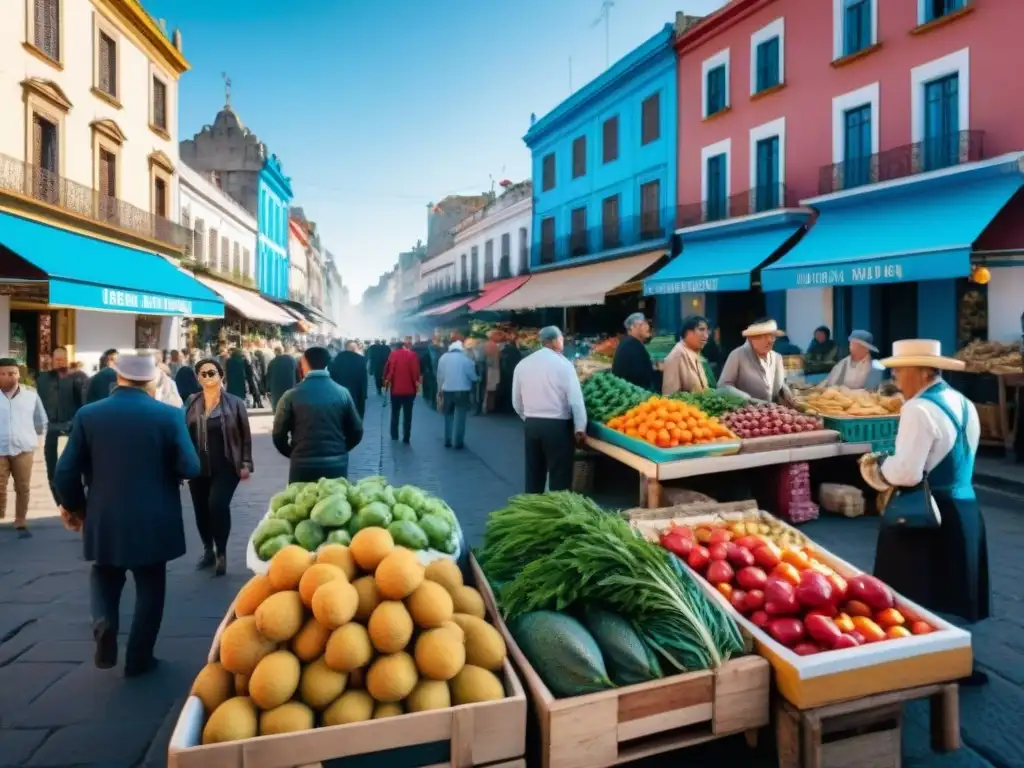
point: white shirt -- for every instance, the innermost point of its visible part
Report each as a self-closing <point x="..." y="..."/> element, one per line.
<point x="167" y="390"/>
<point x="544" y="386"/>
<point x="22" y="421"/>
<point x="926" y="435"/>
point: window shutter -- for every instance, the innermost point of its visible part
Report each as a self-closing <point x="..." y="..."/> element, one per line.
<point x="104" y="63"/>
<point x="105" y="187"/>
<point x="225" y="255"/>
<point x="213" y="248"/>
<point x="37" y="141"/>
<point x="236" y="258"/>
<point x="159" y="104"/>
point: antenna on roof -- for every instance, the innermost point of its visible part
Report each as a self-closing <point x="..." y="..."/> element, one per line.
<point x="605" y="15"/>
<point x="227" y="89"/>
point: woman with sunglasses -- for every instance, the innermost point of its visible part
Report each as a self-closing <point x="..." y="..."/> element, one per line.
<point x="219" y="426"/>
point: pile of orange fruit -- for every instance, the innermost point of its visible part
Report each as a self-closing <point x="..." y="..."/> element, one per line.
<point x="668" y="423"/>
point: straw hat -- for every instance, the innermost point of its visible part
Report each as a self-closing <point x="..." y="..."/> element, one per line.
<point x="921" y="353"/>
<point x="766" y="328"/>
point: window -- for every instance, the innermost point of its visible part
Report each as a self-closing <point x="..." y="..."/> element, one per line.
<point x="225" y="255"/>
<point x="474" y="268"/>
<point x="936" y="9"/>
<point x="160" y="198"/>
<point x="246" y="262"/>
<point x="857" y="26"/>
<point x="650" y="119"/>
<point x="766" y="189"/>
<point x="464" y="272"/>
<point x="941" y="122"/>
<point x="236" y="260"/>
<point x="717" y="200"/>
<point x="611" y="230"/>
<point x="108" y="186"/>
<point x="213" y="248"/>
<point x="159" y="104"/>
<point x="548" y="172"/>
<point x="547" y="240"/>
<point x="578" y="237"/>
<point x="650" y="210"/>
<point x="610" y="140"/>
<point x="857" y="147"/>
<point x="46" y="27"/>
<point x="505" y="265"/>
<point x="524" y="251"/>
<point x="199" y="242"/>
<point x="106" y="64"/>
<point x="579" y="157"/>
<point x="488" y="261"/>
<point x="716" y="91"/>
<point x="768" y="64"/>
<point x="715" y="83"/>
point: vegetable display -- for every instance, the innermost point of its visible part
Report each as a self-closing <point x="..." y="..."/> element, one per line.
<point x="841" y="401"/>
<point x="991" y="357"/>
<point x="351" y="634"/>
<point x="606" y="395"/>
<point x="669" y="423"/>
<point x="769" y="419"/>
<point x="332" y="511"/>
<point x="713" y="402"/>
<point x="798" y="600"/>
<point x="592" y="603"/>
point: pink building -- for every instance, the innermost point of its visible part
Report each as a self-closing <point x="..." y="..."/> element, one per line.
<point x="789" y="104"/>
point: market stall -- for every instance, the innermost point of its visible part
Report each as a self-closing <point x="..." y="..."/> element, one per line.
<point x="997" y="414"/>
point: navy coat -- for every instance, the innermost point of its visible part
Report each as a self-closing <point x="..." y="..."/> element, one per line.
<point x="122" y="466"/>
<point x="348" y="369"/>
<point x="282" y="375"/>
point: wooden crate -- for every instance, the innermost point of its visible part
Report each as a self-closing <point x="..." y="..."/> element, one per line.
<point x="491" y="734"/>
<point x="636" y="721"/>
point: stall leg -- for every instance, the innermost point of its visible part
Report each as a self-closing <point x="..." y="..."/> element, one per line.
<point x="653" y="486"/>
<point x="945" y="719"/>
<point x="787" y="736"/>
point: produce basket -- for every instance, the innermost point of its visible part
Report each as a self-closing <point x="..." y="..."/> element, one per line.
<point x="880" y="431"/>
<point x="489" y="734"/>
<point x="851" y="673"/>
<point x="988" y="419"/>
<point x="661" y="455"/>
<point x="635" y="721"/>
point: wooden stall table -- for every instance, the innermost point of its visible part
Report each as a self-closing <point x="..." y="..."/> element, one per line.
<point x="1008" y="426"/>
<point x="653" y="474"/>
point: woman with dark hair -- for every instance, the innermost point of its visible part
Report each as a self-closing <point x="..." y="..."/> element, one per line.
<point x="822" y="354"/>
<point x="219" y="426"/>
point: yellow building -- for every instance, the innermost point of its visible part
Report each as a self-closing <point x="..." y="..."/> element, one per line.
<point x="89" y="232"/>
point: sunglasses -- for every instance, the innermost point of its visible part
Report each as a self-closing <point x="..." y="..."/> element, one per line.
<point x="208" y="374"/>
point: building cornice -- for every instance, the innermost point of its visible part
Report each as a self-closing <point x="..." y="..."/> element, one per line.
<point x="716" y="23"/>
<point x="273" y="174"/>
<point x="498" y="217"/>
<point x="152" y="38"/>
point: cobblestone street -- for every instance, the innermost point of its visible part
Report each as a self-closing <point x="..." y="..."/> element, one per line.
<point x="57" y="709"/>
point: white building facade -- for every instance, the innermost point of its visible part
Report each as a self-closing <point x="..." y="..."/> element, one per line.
<point x="89" y="147"/>
<point x="224" y="233"/>
<point x="298" y="244"/>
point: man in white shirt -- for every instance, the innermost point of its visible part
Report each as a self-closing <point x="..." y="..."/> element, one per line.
<point x="547" y="396"/>
<point x="22" y="422"/>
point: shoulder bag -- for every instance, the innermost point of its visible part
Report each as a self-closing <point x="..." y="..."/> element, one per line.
<point x="912" y="508"/>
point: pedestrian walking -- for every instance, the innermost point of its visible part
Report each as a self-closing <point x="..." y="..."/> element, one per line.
<point x="510" y="357"/>
<point x="456" y="376"/>
<point x="348" y="369"/>
<point x="377" y="356"/>
<point x="175" y="362"/>
<point x="103" y="383"/>
<point x="133" y="451"/>
<point x="402" y="377"/>
<point x="316" y="424"/>
<point x="63" y="391"/>
<point x="238" y="374"/>
<point x="282" y="375"/>
<point x="219" y="426"/>
<point x="187" y="382"/>
<point x="547" y="396"/>
<point x="162" y="387"/>
<point x="22" y="423"/>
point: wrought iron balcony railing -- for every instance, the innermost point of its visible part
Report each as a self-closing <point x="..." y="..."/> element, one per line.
<point x="612" y="234"/>
<point x="900" y="162"/>
<point x="759" y="199"/>
<point x="48" y="187"/>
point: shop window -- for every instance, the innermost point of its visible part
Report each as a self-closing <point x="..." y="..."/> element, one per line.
<point x="147" y="332"/>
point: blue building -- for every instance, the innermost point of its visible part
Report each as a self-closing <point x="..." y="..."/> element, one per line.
<point x="274" y="195"/>
<point x="604" y="181"/>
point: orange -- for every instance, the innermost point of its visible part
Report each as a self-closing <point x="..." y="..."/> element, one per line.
<point x="631" y="431"/>
<point x="651" y="436"/>
<point x="661" y="413"/>
<point x="676" y="433"/>
<point x="663" y="442"/>
<point x="797" y="558"/>
<point x="657" y="424"/>
<point x="674" y="444"/>
<point x="687" y="436"/>
<point x="691" y="422"/>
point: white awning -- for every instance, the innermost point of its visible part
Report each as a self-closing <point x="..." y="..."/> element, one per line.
<point x="248" y="304"/>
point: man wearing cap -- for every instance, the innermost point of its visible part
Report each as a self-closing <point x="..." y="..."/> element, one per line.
<point x="22" y="421"/>
<point x="547" y="396"/>
<point x="858" y="370"/>
<point x="755" y="370"/>
<point x="632" y="360"/>
<point x="132" y="452"/>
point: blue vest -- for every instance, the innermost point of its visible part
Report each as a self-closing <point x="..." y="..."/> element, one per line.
<point x="954" y="474"/>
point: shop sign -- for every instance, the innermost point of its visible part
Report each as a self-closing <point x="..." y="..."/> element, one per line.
<point x="701" y="285"/>
<point x="146" y="303"/>
<point x="886" y="272"/>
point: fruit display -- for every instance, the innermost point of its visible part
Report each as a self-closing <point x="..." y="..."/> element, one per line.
<point x="799" y="601"/>
<point x="992" y="357"/>
<point x="350" y="634"/>
<point x="605" y="396"/>
<point x="594" y="605"/>
<point x="769" y="419"/>
<point x="841" y="401"/>
<point x="332" y="511"/>
<point x="669" y="423"/>
<point x="605" y="350"/>
<point x="713" y="402"/>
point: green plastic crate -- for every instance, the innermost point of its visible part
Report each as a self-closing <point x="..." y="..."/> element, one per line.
<point x="880" y="431"/>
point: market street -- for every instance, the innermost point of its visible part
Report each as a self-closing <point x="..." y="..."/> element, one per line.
<point x="57" y="709"/>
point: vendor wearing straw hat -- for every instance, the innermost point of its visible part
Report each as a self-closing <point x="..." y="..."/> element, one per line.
<point x="943" y="568"/>
<point x="755" y="371"/>
<point x="857" y="370"/>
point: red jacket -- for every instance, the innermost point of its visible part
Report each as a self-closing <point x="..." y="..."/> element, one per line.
<point x="402" y="372"/>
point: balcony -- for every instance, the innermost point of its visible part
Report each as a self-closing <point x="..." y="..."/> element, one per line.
<point x="47" y="187"/>
<point x="760" y="199"/>
<point x="901" y="162"/>
<point x="448" y="290"/>
<point x="233" y="276"/>
<point x="611" y="235"/>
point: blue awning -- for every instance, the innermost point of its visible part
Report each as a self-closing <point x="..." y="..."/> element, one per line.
<point x="921" y="229"/>
<point x="721" y="257"/>
<point x="88" y="273"/>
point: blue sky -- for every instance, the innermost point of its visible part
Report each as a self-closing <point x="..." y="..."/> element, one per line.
<point x="377" y="108"/>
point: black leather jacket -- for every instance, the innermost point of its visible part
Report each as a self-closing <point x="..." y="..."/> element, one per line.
<point x="235" y="423"/>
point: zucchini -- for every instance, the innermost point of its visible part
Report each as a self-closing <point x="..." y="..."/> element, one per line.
<point x="562" y="651"/>
<point x="627" y="657"/>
